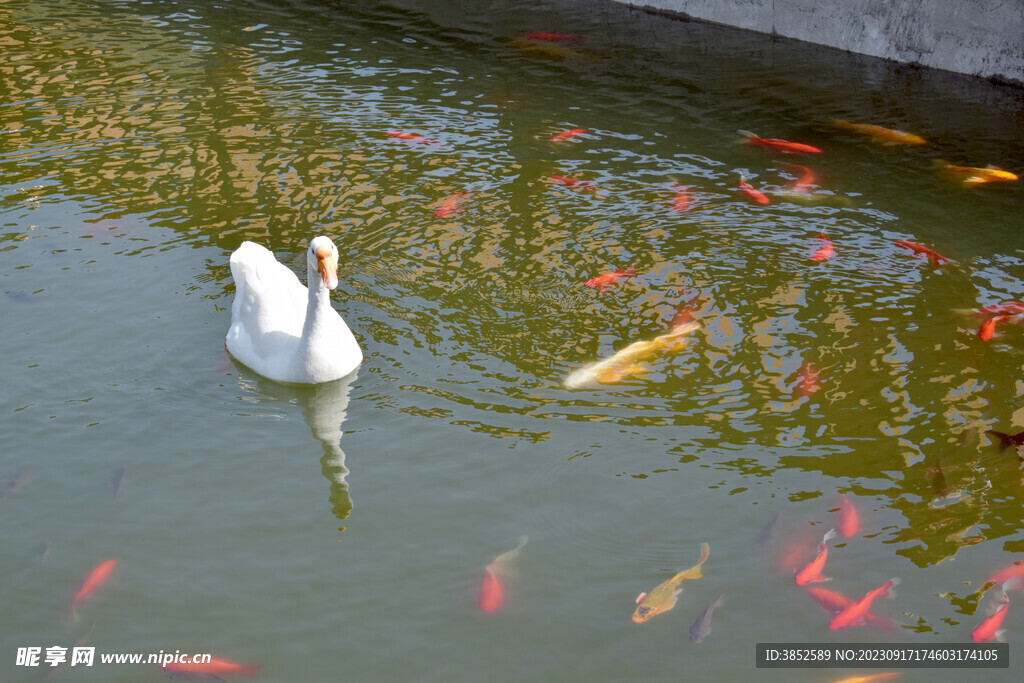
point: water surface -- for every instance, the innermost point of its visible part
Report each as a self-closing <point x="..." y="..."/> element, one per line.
<point x="342" y="531"/>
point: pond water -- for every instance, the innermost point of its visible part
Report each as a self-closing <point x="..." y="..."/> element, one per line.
<point x="341" y="532"/>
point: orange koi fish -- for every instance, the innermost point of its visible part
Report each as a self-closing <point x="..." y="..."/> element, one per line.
<point x="834" y="602"/>
<point x="977" y="176"/>
<point x="887" y="136"/>
<point x="566" y="134"/>
<point x="779" y="145"/>
<point x="807" y="379"/>
<point x="412" y="137"/>
<point x="681" y="200"/>
<point x="856" y="612"/>
<point x="663" y="597"/>
<point x="491" y="593"/>
<point x="811" y="573"/>
<point x="806" y="180"/>
<point x="451" y="204"/>
<point x="826" y="251"/>
<point x="935" y="258"/>
<point x="849" y="520"/>
<point x="872" y="678"/>
<point x="1014" y="570"/>
<point x="990" y="627"/>
<point x="93" y="581"/>
<point x="752" y="194"/>
<point x="572" y="182"/>
<point x="553" y="37"/>
<point x="602" y="281"/>
<point x="214" y="667"/>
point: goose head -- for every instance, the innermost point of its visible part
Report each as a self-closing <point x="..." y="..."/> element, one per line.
<point x="322" y="259"/>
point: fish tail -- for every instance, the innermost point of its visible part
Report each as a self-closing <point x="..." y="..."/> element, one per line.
<point x="889" y="592"/>
<point x="747" y="134"/>
<point x="1004" y="439"/>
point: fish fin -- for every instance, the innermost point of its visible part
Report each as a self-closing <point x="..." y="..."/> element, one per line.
<point x="974" y="180"/>
<point x="1001" y="635"/>
<point x="891" y="593"/>
<point x="640" y="598"/>
<point x="1014" y="583"/>
<point x="829" y="535"/>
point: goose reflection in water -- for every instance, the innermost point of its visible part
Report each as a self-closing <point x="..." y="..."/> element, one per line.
<point x="324" y="407"/>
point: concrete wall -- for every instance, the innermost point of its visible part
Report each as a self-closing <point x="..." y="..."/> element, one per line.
<point x="976" y="37"/>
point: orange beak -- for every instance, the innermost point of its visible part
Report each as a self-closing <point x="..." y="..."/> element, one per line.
<point x="327" y="267"/>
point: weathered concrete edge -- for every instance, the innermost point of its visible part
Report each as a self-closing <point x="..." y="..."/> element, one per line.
<point x="982" y="38"/>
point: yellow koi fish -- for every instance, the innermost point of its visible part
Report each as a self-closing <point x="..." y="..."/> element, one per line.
<point x="663" y="597"/>
<point x="627" y="361"/>
<point x="976" y="176"/>
<point x="887" y="136"/>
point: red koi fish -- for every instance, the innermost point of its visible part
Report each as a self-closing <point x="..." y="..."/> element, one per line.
<point x="490" y="596"/>
<point x="779" y="145"/>
<point x="95" y="578"/>
<point x="1008" y="308"/>
<point x="934" y="258"/>
<point x="214" y="667"/>
<point x="566" y="134"/>
<point x="491" y="593"/>
<point x="1004" y="575"/>
<point x="553" y="37"/>
<point x="990" y="627"/>
<point x="834" y="602"/>
<point x="849" y="520"/>
<point x="451" y="204"/>
<point x="826" y="251"/>
<point x="684" y="314"/>
<point x="988" y="328"/>
<point x="681" y="200"/>
<point x="752" y="194"/>
<point x="806" y="181"/>
<point x="572" y="182"/>
<point x="412" y="137"/>
<point x="807" y="379"/>
<point x="811" y="573"/>
<point x="602" y="281"/>
<point x="856" y="612"/>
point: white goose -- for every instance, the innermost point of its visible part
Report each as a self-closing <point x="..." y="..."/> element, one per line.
<point x="283" y="330"/>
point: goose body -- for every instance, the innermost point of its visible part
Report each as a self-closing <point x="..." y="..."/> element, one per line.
<point x="283" y="330"/>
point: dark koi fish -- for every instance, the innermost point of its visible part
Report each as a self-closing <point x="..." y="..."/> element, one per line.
<point x="702" y="627"/>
